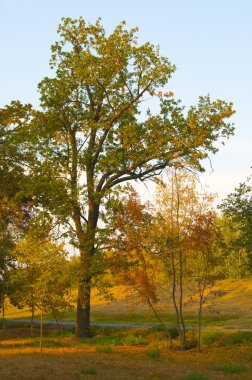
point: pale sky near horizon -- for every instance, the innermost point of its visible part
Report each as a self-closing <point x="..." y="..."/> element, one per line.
<point x="210" y="42"/>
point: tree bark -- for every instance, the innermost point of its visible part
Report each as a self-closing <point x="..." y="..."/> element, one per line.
<point x="87" y="251"/>
<point x="200" y="323"/>
<point x="41" y="329"/>
<point x="3" y="309"/>
<point x="32" y="320"/>
<point x="83" y="308"/>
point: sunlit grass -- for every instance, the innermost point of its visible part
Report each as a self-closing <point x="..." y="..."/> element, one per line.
<point x="232" y="308"/>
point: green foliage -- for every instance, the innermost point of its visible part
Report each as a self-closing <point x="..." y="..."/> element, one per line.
<point x="41" y="273"/>
<point x="237" y="207"/>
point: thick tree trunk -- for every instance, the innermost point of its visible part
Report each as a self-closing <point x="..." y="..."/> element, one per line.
<point x="84" y="293"/>
<point x="85" y="233"/>
<point x="87" y="251"/>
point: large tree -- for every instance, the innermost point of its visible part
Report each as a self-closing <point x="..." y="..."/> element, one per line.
<point x="92" y="132"/>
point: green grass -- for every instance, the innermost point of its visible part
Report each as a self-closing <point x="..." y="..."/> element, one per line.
<point x="195" y="376"/>
<point x="87" y="371"/>
<point x="230" y="367"/>
<point x="134" y="340"/>
<point x="226" y="339"/>
<point x="154" y="354"/>
<point x="105" y="349"/>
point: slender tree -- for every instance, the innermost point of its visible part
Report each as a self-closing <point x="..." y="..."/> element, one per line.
<point x="204" y="259"/>
<point x="179" y="211"/>
<point x="41" y="275"/>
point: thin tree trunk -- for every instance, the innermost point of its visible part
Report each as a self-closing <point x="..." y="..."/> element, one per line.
<point x="202" y="299"/>
<point x="32" y="321"/>
<point x="174" y="295"/>
<point x="58" y="324"/>
<point x="160" y="320"/>
<point x="41" y="329"/>
<point x="200" y="323"/>
<point x="181" y="313"/>
<point x="3" y="309"/>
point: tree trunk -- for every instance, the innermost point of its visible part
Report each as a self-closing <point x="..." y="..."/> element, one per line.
<point x="181" y="311"/>
<point x="41" y="329"/>
<point x="83" y="302"/>
<point x="85" y="234"/>
<point x="3" y="309"/>
<point x="32" y="320"/>
<point x="84" y="288"/>
<point x="58" y="324"/>
<point x="200" y="323"/>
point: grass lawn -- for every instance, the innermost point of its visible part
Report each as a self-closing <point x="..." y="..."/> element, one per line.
<point x="232" y="308"/>
<point x="122" y="354"/>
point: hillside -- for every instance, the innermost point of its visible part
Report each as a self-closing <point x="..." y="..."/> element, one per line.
<point x="231" y="306"/>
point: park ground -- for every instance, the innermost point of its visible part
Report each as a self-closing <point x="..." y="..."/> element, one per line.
<point x="124" y="353"/>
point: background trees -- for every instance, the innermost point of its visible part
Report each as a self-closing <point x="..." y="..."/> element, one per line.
<point x="237" y="208"/>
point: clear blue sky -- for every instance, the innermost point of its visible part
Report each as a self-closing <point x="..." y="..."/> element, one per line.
<point x="210" y="41"/>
